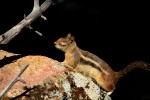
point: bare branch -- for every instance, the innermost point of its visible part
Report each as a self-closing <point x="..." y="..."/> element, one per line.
<point x="17" y="78"/>
<point x="35" y="13"/>
<point x="36" y="5"/>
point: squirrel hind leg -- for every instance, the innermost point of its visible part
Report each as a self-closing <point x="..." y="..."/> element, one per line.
<point x="107" y="92"/>
<point x="106" y="84"/>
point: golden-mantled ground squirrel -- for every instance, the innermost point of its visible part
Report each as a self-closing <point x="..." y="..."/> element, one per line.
<point x="91" y="65"/>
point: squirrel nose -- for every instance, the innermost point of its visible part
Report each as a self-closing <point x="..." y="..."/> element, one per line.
<point x="55" y="42"/>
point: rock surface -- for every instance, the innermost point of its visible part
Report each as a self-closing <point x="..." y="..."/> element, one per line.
<point x="46" y="79"/>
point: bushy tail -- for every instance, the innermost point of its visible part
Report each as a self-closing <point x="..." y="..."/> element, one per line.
<point x="132" y="65"/>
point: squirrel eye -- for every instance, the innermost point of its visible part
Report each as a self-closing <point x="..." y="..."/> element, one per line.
<point x="63" y="44"/>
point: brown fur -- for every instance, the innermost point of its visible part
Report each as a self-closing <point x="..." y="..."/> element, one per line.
<point x="91" y="65"/>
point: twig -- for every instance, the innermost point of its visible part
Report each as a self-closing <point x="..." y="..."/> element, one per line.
<point x="31" y="28"/>
<point x="43" y="17"/>
<point x="15" y="79"/>
<point x="35" y="13"/>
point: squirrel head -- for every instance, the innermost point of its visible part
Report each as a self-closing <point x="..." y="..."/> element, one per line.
<point x="64" y="43"/>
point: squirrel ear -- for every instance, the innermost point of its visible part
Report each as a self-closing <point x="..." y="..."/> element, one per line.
<point x="69" y="35"/>
<point x="72" y="38"/>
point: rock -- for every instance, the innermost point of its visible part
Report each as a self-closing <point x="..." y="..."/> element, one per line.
<point x="46" y="79"/>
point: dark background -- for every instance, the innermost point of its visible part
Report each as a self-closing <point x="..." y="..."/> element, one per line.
<point x="115" y="31"/>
